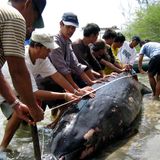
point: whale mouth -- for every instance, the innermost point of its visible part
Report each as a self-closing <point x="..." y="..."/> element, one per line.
<point x="71" y="155"/>
<point x="62" y="158"/>
<point x="79" y="154"/>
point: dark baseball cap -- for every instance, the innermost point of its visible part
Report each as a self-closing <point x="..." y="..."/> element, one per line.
<point x="70" y="18"/>
<point x="39" y="6"/>
<point x="136" y="38"/>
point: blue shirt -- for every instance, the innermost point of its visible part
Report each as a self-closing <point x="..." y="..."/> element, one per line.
<point x="150" y="49"/>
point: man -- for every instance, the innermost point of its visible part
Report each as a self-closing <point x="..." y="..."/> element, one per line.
<point x="37" y="58"/>
<point x="109" y="36"/>
<point x="152" y="51"/>
<point x="37" y="63"/>
<point x="127" y="53"/>
<point x="101" y="51"/>
<point x="117" y="43"/>
<point x="63" y="57"/>
<point x="83" y="53"/>
<point x="12" y="36"/>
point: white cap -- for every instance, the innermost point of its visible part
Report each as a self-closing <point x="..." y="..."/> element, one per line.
<point x="44" y="38"/>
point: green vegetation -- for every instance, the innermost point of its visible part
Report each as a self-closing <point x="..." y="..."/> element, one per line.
<point x="146" y="23"/>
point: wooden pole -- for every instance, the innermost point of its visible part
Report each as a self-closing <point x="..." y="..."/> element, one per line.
<point x="94" y="90"/>
<point x="36" y="146"/>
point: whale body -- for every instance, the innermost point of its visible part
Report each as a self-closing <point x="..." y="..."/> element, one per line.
<point x="86" y="126"/>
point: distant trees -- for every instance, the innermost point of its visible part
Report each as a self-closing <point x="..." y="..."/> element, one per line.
<point x="144" y="3"/>
<point x="146" y="22"/>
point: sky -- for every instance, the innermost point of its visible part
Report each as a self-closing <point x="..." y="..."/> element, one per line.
<point x="105" y="13"/>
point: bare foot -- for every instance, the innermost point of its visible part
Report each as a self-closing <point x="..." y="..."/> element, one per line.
<point x="3" y="149"/>
<point x="156" y="98"/>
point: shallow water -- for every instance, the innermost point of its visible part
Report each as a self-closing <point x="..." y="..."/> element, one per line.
<point x="142" y="146"/>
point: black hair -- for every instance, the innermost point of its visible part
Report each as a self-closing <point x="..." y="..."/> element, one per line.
<point x="100" y="44"/>
<point x="16" y="0"/>
<point x="91" y="28"/>
<point x="109" y="34"/>
<point x="144" y="41"/>
<point x="35" y="44"/>
<point x="119" y="38"/>
<point x="136" y="38"/>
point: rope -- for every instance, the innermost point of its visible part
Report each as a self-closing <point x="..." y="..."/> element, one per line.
<point x="75" y="100"/>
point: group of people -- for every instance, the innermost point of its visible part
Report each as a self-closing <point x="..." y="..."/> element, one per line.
<point x="53" y="69"/>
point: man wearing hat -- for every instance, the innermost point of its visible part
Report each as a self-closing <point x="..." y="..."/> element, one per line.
<point x="31" y="10"/>
<point x="13" y="26"/>
<point x="37" y="61"/>
<point x="63" y="57"/>
<point x="13" y="32"/>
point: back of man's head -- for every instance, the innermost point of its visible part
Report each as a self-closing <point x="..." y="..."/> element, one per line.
<point x="119" y="38"/>
<point x="91" y="28"/>
<point x="38" y="5"/>
<point x="109" y="34"/>
<point x="144" y="42"/>
<point x="98" y="45"/>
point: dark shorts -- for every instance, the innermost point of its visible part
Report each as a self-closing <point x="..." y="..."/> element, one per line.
<point x="6" y="109"/>
<point x="154" y="65"/>
<point x="49" y="85"/>
<point x="77" y="79"/>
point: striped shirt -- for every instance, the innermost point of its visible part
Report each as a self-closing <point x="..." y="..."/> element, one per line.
<point x="12" y="33"/>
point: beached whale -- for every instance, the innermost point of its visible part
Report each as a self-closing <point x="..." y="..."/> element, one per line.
<point x="86" y="126"/>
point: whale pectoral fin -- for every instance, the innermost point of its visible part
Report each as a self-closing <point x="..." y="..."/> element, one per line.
<point x="56" y="117"/>
<point x="145" y="90"/>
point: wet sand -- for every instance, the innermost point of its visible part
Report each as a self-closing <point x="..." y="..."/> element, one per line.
<point x="142" y="146"/>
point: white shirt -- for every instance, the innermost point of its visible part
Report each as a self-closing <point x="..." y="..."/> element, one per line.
<point x="126" y="54"/>
<point x="41" y="67"/>
<point x="7" y="76"/>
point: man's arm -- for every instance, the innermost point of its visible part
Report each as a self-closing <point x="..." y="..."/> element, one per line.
<point x="87" y="79"/>
<point x="112" y="66"/>
<point x="64" y="83"/>
<point x="140" y="64"/>
<point x="79" y="91"/>
<point x="22" y="83"/>
<point x="48" y="95"/>
<point x="90" y="74"/>
<point x="21" y="109"/>
<point x="70" y="79"/>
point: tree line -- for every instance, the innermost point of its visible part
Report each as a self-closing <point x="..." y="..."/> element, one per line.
<point x="145" y="22"/>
